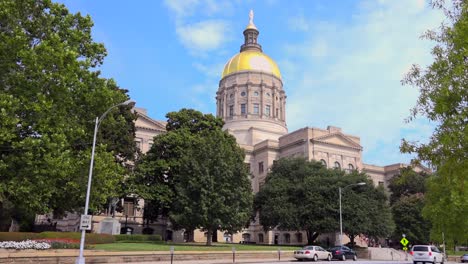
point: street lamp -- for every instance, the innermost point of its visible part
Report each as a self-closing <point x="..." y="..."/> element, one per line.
<point x="81" y="259"/>
<point x="341" y="218"/>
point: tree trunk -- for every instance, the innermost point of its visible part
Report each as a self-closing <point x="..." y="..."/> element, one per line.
<point x="209" y="237"/>
<point x="311" y="236"/>
<point x="351" y="240"/>
<point x="215" y="235"/>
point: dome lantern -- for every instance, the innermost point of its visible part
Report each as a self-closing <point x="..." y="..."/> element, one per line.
<point x="250" y="36"/>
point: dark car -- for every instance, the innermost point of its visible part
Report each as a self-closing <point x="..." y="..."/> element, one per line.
<point x="343" y="253"/>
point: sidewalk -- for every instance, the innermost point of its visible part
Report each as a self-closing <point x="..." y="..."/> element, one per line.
<point x="93" y="256"/>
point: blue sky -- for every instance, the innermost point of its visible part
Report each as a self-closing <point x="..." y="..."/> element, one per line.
<point x="341" y="61"/>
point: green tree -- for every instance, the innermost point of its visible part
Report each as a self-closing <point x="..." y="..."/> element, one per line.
<point x="365" y="208"/>
<point x="443" y="99"/>
<point x="408" y="189"/>
<point x="50" y="94"/>
<point x="197" y="171"/>
<point x="303" y="195"/>
<point x="407" y="182"/>
<point x="408" y="219"/>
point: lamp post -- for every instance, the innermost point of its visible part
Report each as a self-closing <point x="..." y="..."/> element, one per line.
<point x="81" y="259"/>
<point x="341" y="218"/>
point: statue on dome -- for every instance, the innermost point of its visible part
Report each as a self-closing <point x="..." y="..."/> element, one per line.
<point x="251" y="16"/>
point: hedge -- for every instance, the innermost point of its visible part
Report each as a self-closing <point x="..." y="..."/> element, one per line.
<point x="18" y="236"/>
<point x="138" y="238"/>
<point x="91" y="238"/>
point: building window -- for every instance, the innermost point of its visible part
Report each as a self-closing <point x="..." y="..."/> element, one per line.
<point x="231" y="96"/>
<point x="350" y="166"/>
<point x="299" y="237"/>
<point x="231" y="110"/>
<point x="242" y="93"/>
<point x="267" y="110"/>
<point x="260" y="167"/>
<point x="268" y="94"/>
<point x="255" y="93"/>
<point x="243" y="109"/>
<point x="381" y="183"/>
<point x="138" y="144"/>
<point x="277" y="112"/>
<point x="255" y="109"/>
<point x="287" y="238"/>
<point x="260" y="238"/>
<point x="337" y="165"/>
<point x="324" y="163"/>
<point x="129" y="207"/>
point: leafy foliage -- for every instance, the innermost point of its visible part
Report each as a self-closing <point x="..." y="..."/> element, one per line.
<point x="407" y="200"/>
<point x="443" y="99"/>
<point x="303" y="195"/>
<point x="196" y="173"/>
<point x="50" y="93"/>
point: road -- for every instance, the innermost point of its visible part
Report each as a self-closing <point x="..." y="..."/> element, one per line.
<point x="269" y="261"/>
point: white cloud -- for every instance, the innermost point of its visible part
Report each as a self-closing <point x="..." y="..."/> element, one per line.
<point x="203" y="36"/>
<point x="182" y="8"/>
<point x="298" y="23"/>
<point x="349" y="75"/>
<point x="212" y="71"/>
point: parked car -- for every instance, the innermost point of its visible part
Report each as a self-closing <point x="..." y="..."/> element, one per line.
<point x="312" y="253"/>
<point x="464" y="258"/>
<point x="426" y="253"/>
<point x="343" y="253"/>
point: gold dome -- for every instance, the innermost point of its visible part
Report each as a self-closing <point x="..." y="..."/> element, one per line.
<point x="251" y="60"/>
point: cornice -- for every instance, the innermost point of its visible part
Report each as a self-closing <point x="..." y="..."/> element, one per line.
<point x="336" y="145"/>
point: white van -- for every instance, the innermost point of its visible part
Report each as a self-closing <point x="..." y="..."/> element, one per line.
<point x="426" y="254"/>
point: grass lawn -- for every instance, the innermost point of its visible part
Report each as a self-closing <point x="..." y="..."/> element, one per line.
<point x="132" y="246"/>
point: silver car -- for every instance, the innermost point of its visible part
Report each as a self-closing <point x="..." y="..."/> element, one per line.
<point x="426" y="254"/>
<point x="464" y="258"/>
<point x="312" y="253"/>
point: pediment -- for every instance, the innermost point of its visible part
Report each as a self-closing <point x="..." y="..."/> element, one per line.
<point x="338" y="139"/>
<point x="145" y="122"/>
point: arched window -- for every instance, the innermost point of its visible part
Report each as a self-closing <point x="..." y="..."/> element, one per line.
<point x="287" y="238"/>
<point x="324" y="163"/>
<point x="337" y="165"/>
<point x="350" y="166"/>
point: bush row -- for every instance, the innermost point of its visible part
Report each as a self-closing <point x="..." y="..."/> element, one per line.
<point x="91" y="238"/>
<point x="138" y="237"/>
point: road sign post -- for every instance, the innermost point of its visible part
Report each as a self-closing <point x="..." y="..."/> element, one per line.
<point x="404" y="242"/>
<point x="86" y="222"/>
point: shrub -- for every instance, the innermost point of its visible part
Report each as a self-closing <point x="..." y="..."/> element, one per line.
<point x="139" y="238"/>
<point x="17" y="236"/>
<point x="64" y="245"/>
<point x="91" y="238"/>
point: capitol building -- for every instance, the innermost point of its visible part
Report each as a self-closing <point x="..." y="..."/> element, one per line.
<point x="253" y="104"/>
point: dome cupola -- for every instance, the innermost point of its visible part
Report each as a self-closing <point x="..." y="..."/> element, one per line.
<point x="251" y="56"/>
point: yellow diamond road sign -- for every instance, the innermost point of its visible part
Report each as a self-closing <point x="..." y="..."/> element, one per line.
<point x="404" y="241"/>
